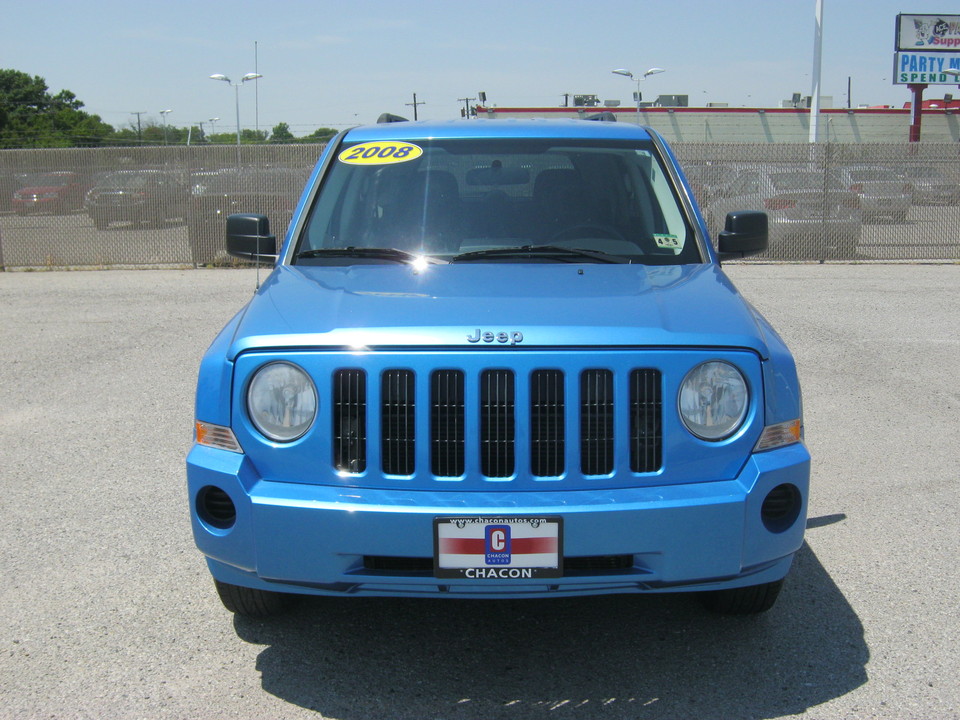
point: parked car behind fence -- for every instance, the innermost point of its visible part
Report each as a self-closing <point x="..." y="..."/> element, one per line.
<point x="931" y="186"/>
<point x="884" y="192"/>
<point x="137" y="196"/>
<point x="214" y="195"/>
<point x="50" y="192"/>
<point x="811" y="216"/>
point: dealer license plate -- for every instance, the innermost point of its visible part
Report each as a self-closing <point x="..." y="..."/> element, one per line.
<point x="498" y="548"/>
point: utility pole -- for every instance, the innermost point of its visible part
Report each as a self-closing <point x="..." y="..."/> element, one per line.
<point x="415" y="103"/>
<point x="466" y="106"/>
<point x="138" y="114"/>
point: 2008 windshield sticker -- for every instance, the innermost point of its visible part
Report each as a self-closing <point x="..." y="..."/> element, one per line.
<point x="380" y="153"/>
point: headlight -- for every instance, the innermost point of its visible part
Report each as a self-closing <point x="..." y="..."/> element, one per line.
<point x="713" y="400"/>
<point x="282" y="401"/>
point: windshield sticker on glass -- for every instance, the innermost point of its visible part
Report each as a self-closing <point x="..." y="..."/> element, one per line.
<point x="380" y="153"/>
<point x="668" y="242"/>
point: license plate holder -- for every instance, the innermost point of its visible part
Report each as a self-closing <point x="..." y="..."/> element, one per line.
<point x="498" y="547"/>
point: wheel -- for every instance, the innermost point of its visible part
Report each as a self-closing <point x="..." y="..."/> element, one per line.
<point x="253" y="603"/>
<point x="749" y="600"/>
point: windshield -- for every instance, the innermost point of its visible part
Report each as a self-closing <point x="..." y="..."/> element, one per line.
<point x="482" y="199"/>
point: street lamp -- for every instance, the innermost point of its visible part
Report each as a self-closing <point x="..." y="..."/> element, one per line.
<point x="213" y="125"/>
<point x="627" y="73"/>
<point x="236" y="88"/>
<point x="163" y="115"/>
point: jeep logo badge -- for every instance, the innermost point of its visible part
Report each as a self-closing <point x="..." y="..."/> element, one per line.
<point x="503" y="337"/>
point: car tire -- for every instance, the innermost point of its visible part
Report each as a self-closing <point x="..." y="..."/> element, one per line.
<point x="750" y="600"/>
<point x="253" y="603"/>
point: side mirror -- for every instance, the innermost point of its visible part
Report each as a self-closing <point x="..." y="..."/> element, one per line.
<point x="745" y="233"/>
<point x="248" y="237"/>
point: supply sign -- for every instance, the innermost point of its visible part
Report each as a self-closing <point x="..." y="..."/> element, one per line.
<point x="928" y="33"/>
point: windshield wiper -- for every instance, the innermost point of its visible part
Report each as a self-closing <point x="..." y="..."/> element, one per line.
<point x="401" y="256"/>
<point x="561" y="254"/>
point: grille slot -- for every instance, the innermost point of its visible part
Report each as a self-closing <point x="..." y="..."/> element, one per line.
<point x="596" y="422"/>
<point x="446" y="423"/>
<point x="350" y="420"/>
<point x="397" y="422"/>
<point x="497" y="423"/>
<point x="547" y="433"/>
<point x="646" y="429"/>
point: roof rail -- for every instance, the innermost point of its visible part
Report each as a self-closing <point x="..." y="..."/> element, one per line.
<point x="605" y="116"/>
<point x="388" y="118"/>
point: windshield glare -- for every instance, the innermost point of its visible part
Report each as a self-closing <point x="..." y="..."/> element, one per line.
<point x="459" y="197"/>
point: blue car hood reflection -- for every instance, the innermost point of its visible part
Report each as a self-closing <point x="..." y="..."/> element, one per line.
<point x="549" y="305"/>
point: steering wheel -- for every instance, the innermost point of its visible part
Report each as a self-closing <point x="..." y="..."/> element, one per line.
<point x="584" y="230"/>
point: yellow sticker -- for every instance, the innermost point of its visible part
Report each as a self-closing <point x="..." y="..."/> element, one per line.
<point x="380" y="153"/>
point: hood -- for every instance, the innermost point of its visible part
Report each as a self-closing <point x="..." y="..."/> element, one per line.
<point x="480" y="305"/>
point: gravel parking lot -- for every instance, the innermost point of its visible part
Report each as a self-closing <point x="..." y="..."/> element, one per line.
<point x="109" y="610"/>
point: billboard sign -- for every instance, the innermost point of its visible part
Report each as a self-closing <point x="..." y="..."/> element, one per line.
<point x="928" y="33"/>
<point x="927" y="68"/>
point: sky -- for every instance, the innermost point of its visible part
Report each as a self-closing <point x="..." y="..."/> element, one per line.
<point x="337" y="64"/>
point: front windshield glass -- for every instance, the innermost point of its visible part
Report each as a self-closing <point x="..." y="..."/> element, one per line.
<point x="495" y="200"/>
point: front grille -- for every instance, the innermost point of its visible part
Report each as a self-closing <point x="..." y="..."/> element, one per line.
<point x="498" y="417"/>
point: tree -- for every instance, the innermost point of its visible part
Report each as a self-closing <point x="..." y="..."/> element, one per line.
<point x="281" y="134"/>
<point x="31" y="117"/>
<point x="320" y="135"/>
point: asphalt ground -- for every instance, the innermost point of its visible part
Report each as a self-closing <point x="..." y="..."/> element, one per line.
<point x="108" y="610"/>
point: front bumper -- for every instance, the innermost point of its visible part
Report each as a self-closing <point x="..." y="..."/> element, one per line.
<point x="313" y="539"/>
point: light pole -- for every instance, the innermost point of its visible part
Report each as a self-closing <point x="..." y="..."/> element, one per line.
<point x="236" y="88"/>
<point x="627" y="73"/>
<point x="163" y="114"/>
<point x="213" y="125"/>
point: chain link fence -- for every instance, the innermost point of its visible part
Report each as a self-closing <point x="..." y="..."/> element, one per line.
<point x="168" y="205"/>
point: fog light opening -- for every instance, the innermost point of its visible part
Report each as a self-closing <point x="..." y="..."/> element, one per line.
<point x="216" y="508"/>
<point x="781" y="508"/>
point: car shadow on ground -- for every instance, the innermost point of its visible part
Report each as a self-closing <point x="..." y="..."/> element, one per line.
<point x="621" y="656"/>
